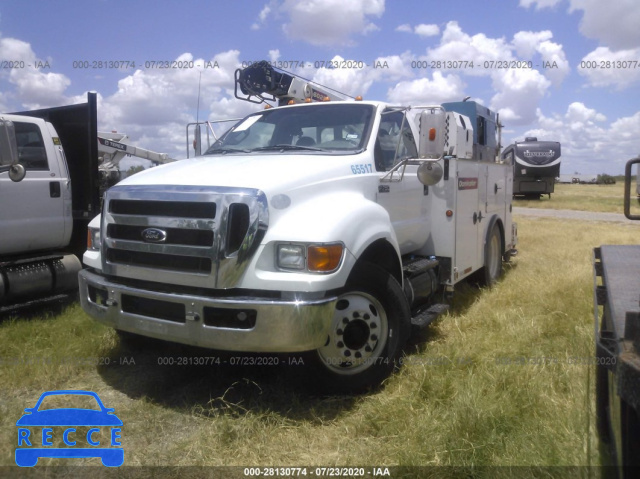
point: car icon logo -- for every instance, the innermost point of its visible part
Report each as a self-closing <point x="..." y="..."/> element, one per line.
<point x="49" y="430"/>
<point x="154" y="235"/>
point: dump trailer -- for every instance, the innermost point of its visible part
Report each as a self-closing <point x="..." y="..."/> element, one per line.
<point x="332" y="228"/>
<point x="48" y="194"/>
<point x="617" y="335"/>
<point x="536" y="165"/>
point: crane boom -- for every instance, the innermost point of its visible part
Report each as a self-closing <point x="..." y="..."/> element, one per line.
<point x="260" y="82"/>
<point x="112" y="145"/>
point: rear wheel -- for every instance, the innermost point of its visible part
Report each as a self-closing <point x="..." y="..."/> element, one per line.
<point x="492" y="269"/>
<point x="370" y="324"/>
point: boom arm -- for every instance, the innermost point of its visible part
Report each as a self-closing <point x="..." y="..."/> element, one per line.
<point x="260" y="82"/>
<point x="117" y="151"/>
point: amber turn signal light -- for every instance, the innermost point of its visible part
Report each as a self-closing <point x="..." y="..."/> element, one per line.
<point x="324" y="258"/>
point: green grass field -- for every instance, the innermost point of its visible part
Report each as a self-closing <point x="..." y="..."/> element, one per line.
<point x="504" y="379"/>
<point x="599" y="198"/>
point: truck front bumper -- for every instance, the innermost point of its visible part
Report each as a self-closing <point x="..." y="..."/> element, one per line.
<point x="234" y="324"/>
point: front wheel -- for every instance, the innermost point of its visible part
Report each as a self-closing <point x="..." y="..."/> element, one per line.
<point x="370" y="324"/>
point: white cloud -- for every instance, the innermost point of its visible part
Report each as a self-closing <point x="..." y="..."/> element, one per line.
<point x="154" y="97"/>
<point x="330" y="22"/>
<point x="614" y="24"/>
<point x="578" y="112"/>
<point x="540" y="4"/>
<point x="518" y="94"/>
<point x="274" y="55"/>
<point x="35" y="87"/>
<point x="426" y="30"/>
<point x="424" y="91"/>
<point x="527" y="43"/>
<point x="518" y="91"/>
<point x="262" y="17"/>
<point x="405" y="27"/>
<point x="603" y="67"/>
<point x="456" y="45"/>
<point x="393" y="67"/>
<point x="352" y="81"/>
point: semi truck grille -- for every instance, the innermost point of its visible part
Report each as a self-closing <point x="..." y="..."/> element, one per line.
<point x="186" y="209"/>
<point x="159" y="261"/>
<point x="183" y="235"/>
<point x="174" y="235"/>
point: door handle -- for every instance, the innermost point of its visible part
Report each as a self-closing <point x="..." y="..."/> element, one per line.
<point x="496" y="188"/>
<point x="54" y="189"/>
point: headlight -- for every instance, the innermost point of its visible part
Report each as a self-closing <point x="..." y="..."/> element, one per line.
<point x="316" y="258"/>
<point x="291" y="256"/>
<point x="93" y="239"/>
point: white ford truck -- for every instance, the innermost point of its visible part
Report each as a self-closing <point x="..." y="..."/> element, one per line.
<point x="49" y="191"/>
<point x="328" y="227"/>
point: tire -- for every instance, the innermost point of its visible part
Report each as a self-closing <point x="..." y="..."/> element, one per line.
<point x="370" y="324"/>
<point x="492" y="269"/>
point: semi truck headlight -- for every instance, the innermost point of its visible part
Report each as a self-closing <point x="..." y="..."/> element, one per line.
<point x="93" y="239"/>
<point x="315" y="258"/>
<point x="291" y="256"/>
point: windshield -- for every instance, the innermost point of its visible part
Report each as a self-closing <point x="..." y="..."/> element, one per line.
<point x="314" y="128"/>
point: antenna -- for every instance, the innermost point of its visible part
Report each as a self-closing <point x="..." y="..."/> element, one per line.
<point x="198" y="107"/>
<point x="197" y="146"/>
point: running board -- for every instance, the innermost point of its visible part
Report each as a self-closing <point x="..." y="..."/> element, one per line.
<point x="428" y="316"/>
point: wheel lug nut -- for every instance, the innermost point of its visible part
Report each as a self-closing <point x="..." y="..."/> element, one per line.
<point x="339" y="332"/>
<point x="356" y="314"/>
<point x="373" y="326"/>
<point x="367" y="348"/>
<point x="340" y="344"/>
<point x="345" y="320"/>
<point x="347" y="353"/>
<point x="366" y="316"/>
<point x="358" y="354"/>
<point x="374" y="337"/>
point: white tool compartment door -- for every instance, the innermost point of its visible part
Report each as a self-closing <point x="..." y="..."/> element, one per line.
<point x="468" y="222"/>
<point x="496" y="189"/>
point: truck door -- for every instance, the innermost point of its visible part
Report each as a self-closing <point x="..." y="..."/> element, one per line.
<point x="404" y="200"/>
<point x="470" y="218"/>
<point x="31" y="216"/>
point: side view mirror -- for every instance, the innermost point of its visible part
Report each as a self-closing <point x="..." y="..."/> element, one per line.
<point x="17" y="172"/>
<point x="628" y="179"/>
<point x="9" y="151"/>
<point x="430" y="173"/>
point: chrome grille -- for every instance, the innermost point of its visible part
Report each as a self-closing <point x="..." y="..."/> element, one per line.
<point x="191" y="236"/>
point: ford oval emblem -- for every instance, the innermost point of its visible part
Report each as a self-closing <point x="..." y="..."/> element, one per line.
<point x="154" y="235"/>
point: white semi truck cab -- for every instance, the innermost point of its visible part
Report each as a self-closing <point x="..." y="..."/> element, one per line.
<point x="327" y="227"/>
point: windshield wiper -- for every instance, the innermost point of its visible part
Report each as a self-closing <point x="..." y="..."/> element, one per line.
<point x="227" y="150"/>
<point x="287" y="147"/>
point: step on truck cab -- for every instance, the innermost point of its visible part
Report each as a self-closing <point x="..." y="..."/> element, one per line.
<point x="323" y="227"/>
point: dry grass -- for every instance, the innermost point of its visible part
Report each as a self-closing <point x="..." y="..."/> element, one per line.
<point x="599" y="198"/>
<point x="501" y="380"/>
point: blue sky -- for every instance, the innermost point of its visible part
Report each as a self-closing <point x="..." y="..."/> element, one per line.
<point x="593" y="112"/>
